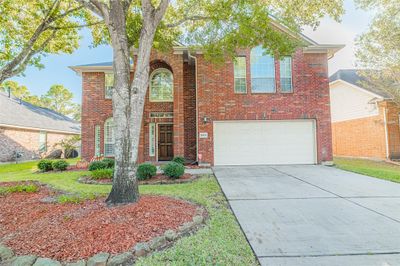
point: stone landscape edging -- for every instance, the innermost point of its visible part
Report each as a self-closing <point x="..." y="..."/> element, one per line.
<point x="141" y="249"/>
<point x="88" y="181"/>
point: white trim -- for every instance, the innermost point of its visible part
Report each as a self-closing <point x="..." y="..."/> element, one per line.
<point x="356" y="87"/>
<point x="104" y="137"/>
<point x="386" y="132"/>
<point x="37" y="128"/>
<point x="160" y="70"/>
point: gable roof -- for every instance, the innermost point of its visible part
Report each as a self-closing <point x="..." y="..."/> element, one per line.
<point x="353" y="77"/>
<point x="17" y="113"/>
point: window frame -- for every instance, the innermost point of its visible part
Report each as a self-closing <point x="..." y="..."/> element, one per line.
<point x="291" y="75"/>
<point x="42" y="143"/>
<point x="106" y="142"/>
<point x="156" y="71"/>
<point x="97" y="140"/>
<point x="274" y="72"/>
<point x="245" y="75"/>
<point x="105" y="85"/>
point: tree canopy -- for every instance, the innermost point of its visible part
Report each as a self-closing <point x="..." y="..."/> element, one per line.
<point x="378" y="49"/>
<point x="30" y="30"/>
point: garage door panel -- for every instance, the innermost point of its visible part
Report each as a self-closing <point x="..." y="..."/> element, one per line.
<point x="264" y="142"/>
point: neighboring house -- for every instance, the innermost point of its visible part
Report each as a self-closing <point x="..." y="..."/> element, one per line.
<point x="256" y="109"/>
<point x="365" y="122"/>
<point x="30" y="130"/>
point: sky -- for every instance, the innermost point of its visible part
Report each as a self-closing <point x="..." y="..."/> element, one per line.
<point x="56" y="71"/>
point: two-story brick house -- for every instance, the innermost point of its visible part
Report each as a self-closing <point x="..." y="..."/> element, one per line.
<point x="256" y="109"/>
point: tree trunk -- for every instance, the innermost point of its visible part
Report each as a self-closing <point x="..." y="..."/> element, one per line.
<point x="128" y="99"/>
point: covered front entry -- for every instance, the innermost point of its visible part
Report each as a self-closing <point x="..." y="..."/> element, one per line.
<point x="264" y="142"/>
<point x="165" y="142"/>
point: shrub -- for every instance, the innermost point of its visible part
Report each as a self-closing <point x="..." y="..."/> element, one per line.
<point x="96" y="165"/>
<point x="109" y="162"/>
<point x="45" y="165"/>
<point x="102" y="173"/>
<point x="19" y="188"/>
<point x="60" y="165"/>
<point x="173" y="170"/>
<point x="145" y="171"/>
<point x="179" y="159"/>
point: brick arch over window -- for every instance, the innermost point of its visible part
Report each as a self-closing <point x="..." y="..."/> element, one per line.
<point x="155" y="64"/>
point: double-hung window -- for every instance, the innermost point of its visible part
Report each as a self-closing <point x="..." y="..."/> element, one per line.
<point x="109" y="85"/>
<point x="262" y="71"/>
<point x="161" y="86"/>
<point x="286" y="74"/>
<point x="109" y="138"/>
<point x="240" y="74"/>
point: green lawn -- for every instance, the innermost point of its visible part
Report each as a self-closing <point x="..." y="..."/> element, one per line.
<point x="220" y="242"/>
<point x="377" y="169"/>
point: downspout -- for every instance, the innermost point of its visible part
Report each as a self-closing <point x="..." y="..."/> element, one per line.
<point x="386" y="132"/>
<point x="197" y="108"/>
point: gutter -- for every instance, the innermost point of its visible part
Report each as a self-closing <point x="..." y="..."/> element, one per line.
<point x="197" y="108"/>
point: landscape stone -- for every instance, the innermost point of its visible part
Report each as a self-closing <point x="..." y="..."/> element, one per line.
<point x="186" y="227"/>
<point x="5" y="253"/>
<point x="27" y="260"/>
<point x="158" y="242"/>
<point x="99" y="259"/>
<point x="198" y="219"/>
<point x="78" y="263"/>
<point x="141" y="249"/>
<point x="170" y="235"/>
<point x="121" y="259"/>
<point x="46" y="262"/>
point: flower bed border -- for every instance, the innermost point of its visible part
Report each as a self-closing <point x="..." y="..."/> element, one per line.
<point x="141" y="249"/>
<point x="87" y="180"/>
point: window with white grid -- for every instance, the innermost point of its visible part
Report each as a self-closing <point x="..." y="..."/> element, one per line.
<point x="161" y="86"/>
<point x="109" y="85"/>
<point x="240" y="74"/>
<point x="262" y="71"/>
<point x="286" y="74"/>
<point x="109" y="138"/>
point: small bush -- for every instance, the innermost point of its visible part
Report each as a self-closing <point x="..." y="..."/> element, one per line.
<point x="96" y="165"/>
<point x="179" y="159"/>
<point x="60" y="165"/>
<point x="102" y="173"/>
<point x="45" y="165"/>
<point x="109" y="162"/>
<point x="146" y="171"/>
<point x="173" y="170"/>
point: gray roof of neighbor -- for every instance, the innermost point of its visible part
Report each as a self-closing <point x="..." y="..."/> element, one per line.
<point x="353" y="76"/>
<point x="14" y="112"/>
<point x="97" y="64"/>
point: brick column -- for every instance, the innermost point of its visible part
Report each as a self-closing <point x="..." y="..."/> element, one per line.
<point x="179" y="133"/>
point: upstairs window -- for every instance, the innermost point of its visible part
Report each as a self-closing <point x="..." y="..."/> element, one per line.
<point x="109" y="85"/>
<point x="240" y="74"/>
<point x="161" y="86"/>
<point x="109" y="138"/>
<point x="262" y="71"/>
<point x="286" y="74"/>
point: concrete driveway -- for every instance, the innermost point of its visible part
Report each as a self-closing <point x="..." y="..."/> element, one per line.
<point x="314" y="215"/>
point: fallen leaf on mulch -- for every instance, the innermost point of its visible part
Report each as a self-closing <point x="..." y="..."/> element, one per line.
<point x="70" y="232"/>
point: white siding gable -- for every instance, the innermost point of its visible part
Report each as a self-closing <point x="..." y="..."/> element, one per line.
<point x="349" y="102"/>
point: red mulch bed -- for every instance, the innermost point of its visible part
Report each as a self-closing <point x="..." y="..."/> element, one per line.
<point x="69" y="232"/>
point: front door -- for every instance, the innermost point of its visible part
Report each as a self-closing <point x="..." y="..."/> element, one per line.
<point x="165" y="142"/>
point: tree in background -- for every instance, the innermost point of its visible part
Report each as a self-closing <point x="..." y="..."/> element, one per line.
<point x="378" y="49"/>
<point x="218" y="27"/>
<point x="57" y="98"/>
<point x="30" y="30"/>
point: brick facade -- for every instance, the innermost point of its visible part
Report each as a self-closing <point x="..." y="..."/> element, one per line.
<point x="366" y="137"/>
<point x="216" y="100"/>
<point x="26" y="141"/>
<point x="310" y="99"/>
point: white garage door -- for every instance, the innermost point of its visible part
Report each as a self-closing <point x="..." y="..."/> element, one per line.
<point x="264" y="142"/>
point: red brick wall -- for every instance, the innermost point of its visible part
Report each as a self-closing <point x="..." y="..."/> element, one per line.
<point x="217" y="101"/>
<point x="310" y="99"/>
